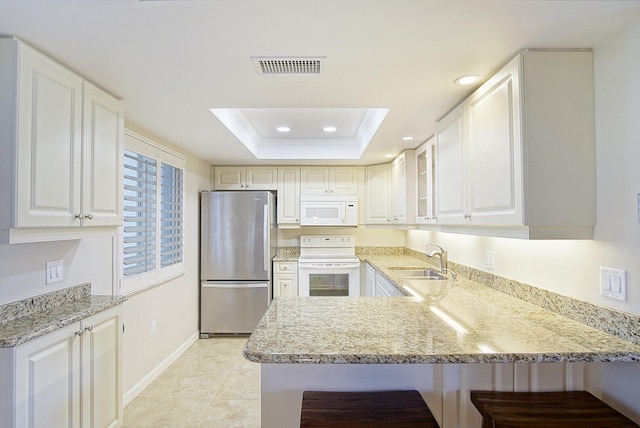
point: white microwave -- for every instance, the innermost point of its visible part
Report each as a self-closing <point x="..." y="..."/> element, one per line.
<point x="328" y="210"/>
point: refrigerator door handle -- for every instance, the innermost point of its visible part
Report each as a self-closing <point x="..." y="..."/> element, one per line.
<point x="231" y="284"/>
<point x="265" y="237"/>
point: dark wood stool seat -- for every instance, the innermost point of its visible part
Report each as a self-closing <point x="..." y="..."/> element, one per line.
<point x="564" y="409"/>
<point x="398" y="409"/>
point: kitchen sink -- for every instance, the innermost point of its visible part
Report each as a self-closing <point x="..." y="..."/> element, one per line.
<point x="417" y="273"/>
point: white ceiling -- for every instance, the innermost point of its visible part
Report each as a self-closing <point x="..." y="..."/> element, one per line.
<point x="172" y="61"/>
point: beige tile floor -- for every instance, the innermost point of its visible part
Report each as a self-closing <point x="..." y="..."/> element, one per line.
<point x="210" y="385"/>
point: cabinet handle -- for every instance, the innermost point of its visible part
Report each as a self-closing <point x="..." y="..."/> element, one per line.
<point x="89" y="216"/>
<point x="79" y="333"/>
<point x="467" y="216"/>
<point x="80" y="216"/>
<point x="90" y="328"/>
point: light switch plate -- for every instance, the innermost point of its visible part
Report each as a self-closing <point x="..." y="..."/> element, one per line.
<point x="54" y="271"/>
<point x="490" y="259"/>
<point x="613" y="283"/>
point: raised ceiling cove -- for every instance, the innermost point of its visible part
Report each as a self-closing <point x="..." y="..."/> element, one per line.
<point x="256" y="129"/>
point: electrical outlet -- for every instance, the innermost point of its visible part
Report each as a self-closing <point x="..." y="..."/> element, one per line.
<point x="152" y="328"/>
<point x="490" y="259"/>
<point x="54" y="271"/>
<point x="613" y="283"/>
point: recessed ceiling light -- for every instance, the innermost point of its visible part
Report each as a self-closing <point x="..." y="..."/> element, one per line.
<point x="388" y="156"/>
<point x="283" y="129"/>
<point x="407" y="138"/>
<point x="466" y="80"/>
<point x="329" y="129"/>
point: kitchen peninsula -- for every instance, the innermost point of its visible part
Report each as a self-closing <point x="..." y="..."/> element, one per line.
<point x="447" y="338"/>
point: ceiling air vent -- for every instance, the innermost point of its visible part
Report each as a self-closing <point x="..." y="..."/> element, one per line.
<point x="289" y="65"/>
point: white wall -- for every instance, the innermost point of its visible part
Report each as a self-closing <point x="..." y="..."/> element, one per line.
<point x="572" y="267"/>
<point x="174" y="305"/>
<point x="22" y="266"/>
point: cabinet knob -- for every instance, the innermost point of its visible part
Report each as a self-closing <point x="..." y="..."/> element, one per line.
<point x="89" y="216"/>
<point x="90" y="328"/>
<point x="79" y="333"/>
<point x="80" y="216"/>
<point x="467" y="216"/>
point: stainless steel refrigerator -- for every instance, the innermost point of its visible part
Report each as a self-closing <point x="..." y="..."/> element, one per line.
<point x="237" y="245"/>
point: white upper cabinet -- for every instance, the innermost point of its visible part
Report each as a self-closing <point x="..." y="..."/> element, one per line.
<point x="390" y="191"/>
<point x="288" y="205"/>
<point x="48" y="115"/>
<point x="494" y="150"/>
<point x="61" y="146"/>
<point x="403" y="188"/>
<point x="317" y="180"/>
<point x="102" y="151"/>
<point x="517" y="158"/>
<point x="245" y="178"/>
<point x="377" y="197"/>
<point x="424" y="154"/>
<point x="450" y="169"/>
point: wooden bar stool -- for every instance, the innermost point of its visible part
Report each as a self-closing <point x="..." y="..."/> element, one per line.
<point x="564" y="409"/>
<point x="397" y="409"/>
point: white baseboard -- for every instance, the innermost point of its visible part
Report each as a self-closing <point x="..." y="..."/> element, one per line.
<point x="157" y="370"/>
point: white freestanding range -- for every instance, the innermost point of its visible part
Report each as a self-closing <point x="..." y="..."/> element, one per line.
<point x="328" y="266"/>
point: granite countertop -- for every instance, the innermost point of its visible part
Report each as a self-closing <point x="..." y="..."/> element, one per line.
<point x="444" y="322"/>
<point x="287" y="254"/>
<point x="29" y="319"/>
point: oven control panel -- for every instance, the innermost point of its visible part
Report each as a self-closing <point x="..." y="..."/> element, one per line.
<point x="327" y="241"/>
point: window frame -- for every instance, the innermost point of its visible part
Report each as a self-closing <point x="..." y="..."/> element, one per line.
<point x="139" y="282"/>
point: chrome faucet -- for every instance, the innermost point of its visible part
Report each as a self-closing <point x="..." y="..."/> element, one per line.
<point x="441" y="253"/>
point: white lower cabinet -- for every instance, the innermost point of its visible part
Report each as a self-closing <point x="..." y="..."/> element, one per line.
<point x="384" y="288"/>
<point x="71" y="377"/>
<point x="369" y="286"/>
<point x="444" y="387"/>
<point x="285" y="279"/>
